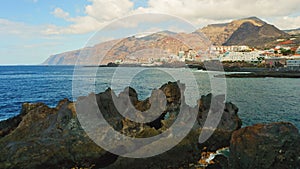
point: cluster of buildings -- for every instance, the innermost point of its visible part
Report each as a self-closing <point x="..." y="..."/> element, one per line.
<point x="285" y="54"/>
<point x="190" y="55"/>
<point x="252" y="56"/>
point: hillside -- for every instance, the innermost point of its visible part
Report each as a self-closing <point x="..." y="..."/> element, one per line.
<point x="250" y="31"/>
<point x="85" y="56"/>
<point x="140" y="49"/>
<point x="132" y="49"/>
<point x="256" y="36"/>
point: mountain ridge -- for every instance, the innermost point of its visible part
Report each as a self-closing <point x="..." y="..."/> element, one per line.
<point x="232" y="32"/>
<point x="293" y="31"/>
<point x="250" y="31"/>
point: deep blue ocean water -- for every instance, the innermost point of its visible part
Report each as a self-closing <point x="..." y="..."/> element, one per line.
<point x="260" y="100"/>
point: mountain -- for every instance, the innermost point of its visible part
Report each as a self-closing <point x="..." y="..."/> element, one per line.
<point x="144" y="47"/>
<point x="256" y="36"/>
<point x="85" y="56"/>
<point x="249" y="31"/>
<point x="293" y="31"/>
<point x="135" y="49"/>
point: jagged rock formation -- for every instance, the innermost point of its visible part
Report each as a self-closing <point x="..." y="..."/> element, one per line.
<point x="43" y="137"/>
<point x="270" y="146"/>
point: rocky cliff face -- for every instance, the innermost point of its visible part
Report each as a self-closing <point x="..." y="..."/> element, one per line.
<point x="85" y="56"/>
<point x="43" y="137"/>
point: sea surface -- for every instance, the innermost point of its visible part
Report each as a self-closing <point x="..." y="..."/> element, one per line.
<point x="260" y="100"/>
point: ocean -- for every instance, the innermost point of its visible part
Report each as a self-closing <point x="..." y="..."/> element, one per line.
<point x="260" y="100"/>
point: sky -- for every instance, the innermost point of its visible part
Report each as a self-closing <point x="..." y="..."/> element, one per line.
<point x="32" y="30"/>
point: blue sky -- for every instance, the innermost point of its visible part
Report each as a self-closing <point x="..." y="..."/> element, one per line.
<point x="32" y="30"/>
<point x="32" y="48"/>
<point x="39" y="12"/>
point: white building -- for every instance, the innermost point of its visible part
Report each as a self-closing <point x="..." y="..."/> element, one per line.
<point x="293" y="64"/>
<point x="241" y="56"/>
<point x="222" y="49"/>
<point x="181" y="54"/>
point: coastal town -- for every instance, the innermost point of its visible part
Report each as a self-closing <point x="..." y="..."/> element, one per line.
<point x="286" y="54"/>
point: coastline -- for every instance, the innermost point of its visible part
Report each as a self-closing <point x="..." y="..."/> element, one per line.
<point x="271" y="74"/>
<point x="60" y="133"/>
<point x="231" y="72"/>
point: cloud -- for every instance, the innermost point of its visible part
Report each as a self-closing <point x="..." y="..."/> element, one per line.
<point x="199" y="12"/>
<point x="26" y="44"/>
<point x="98" y="14"/>
<point x="137" y="19"/>
<point x="287" y="22"/>
<point x="80" y="25"/>
<point x="58" y="12"/>
<point x="19" y="29"/>
<point x="106" y="10"/>
<point x="25" y="31"/>
<point x="225" y="9"/>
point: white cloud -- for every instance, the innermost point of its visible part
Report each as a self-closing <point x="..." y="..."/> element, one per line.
<point x="19" y="29"/>
<point x="26" y="44"/>
<point x="106" y="10"/>
<point x="98" y="14"/>
<point x="199" y="12"/>
<point x="58" y="12"/>
<point x="225" y="9"/>
<point x="25" y="31"/>
<point x="138" y="18"/>
<point x="79" y="25"/>
<point x="287" y="22"/>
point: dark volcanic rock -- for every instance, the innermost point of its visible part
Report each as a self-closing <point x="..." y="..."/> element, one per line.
<point x="228" y="123"/>
<point x="9" y="125"/>
<point x="43" y="137"/>
<point x="270" y="146"/>
<point x="48" y="138"/>
<point x="220" y="162"/>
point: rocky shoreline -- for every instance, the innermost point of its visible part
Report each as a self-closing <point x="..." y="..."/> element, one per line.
<point x="163" y="65"/>
<point x="273" y="74"/>
<point x="232" y="70"/>
<point x="44" y="137"/>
